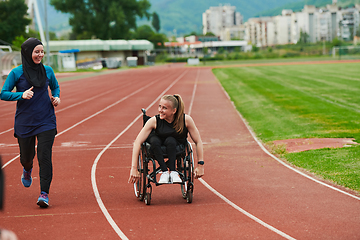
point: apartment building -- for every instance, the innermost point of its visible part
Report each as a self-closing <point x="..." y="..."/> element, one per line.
<point x="260" y="31"/>
<point x="283" y="27"/>
<point x="303" y="22"/>
<point x="318" y="24"/>
<point x="217" y="19"/>
<point x="349" y="23"/>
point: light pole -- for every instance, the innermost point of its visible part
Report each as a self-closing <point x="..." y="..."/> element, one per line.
<point x="47" y="36"/>
<point x="340" y="37"/>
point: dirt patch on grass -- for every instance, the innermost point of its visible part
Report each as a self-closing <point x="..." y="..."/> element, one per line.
<point x="304" y="144"/>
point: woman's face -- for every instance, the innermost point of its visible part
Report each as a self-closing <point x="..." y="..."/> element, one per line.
<point x="166" y="111"/>
<point x="38" y="54"/>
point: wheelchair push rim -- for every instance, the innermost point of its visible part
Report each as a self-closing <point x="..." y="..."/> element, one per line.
<point x="139" y="186"/>
<point x="187" y="187"/>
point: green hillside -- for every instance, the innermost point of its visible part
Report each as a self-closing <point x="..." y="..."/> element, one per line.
<point x="185" y="16"/>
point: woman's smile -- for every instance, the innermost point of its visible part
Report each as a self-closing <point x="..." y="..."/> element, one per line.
<point x="38" y="54"/>
<point x="166" y="111"/>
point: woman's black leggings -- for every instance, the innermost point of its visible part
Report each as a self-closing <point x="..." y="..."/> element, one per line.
<point x="170" y="144"/>
<point x="44" y="154"/>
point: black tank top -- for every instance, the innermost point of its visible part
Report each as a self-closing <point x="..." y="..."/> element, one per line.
<point x="165" y="129"/>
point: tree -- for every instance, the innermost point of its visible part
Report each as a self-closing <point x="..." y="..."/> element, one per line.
<point x="145" y="32"/>
<point x="358" y="31"/>
<point x="336" y="42"/>
<point x="110" y="19"/>
<point x="193" y="33"/>
<point x="13" y="19"/>
<point x="17" y="42"/>
<point x="255" y="48"/>
<point x="156" y="22"/>
<point x="304" y="37"/>
<point x="158" y="40"/>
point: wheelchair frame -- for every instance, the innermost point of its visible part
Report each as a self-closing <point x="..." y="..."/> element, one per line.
<point x="148" y="172"/>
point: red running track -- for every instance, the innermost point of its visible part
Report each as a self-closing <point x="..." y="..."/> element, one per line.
<point x="253" y="195"/>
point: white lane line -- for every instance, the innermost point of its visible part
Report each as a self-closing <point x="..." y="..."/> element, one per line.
<point x="193" y="93"/>
<point x="97" y="159"/>
<point x="246" y="213"/>
<point x="95" y="114"/>
<point x="277" y="159"/>
<point x="86" y="100"/>
<point x="227" y="200"/>
<point x="6" y="131"/>
<point x="78" y="103"/>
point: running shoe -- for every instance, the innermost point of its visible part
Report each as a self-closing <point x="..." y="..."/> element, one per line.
<point x="43" y="200"/>
<point x="164" y="178"/>
<point x="175" y="178"/>
<point x="26" y="178"/>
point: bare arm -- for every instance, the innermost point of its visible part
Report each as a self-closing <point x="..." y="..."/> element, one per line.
<point x="195" y="136"/>
<point x="141" y="137"/>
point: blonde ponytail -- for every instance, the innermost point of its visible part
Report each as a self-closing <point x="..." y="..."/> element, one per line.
<point x="177" y="103"/>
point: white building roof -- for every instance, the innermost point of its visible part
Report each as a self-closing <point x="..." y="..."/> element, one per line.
<point x="220" y="44"/>
<point x="100" y="45"/>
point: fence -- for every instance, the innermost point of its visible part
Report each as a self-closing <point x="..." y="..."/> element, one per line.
<point x="8" y="60"/>
<point x="352" y="52"/>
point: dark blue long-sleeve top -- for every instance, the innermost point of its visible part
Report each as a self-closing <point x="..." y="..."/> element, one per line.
<point x="34" y="115"/>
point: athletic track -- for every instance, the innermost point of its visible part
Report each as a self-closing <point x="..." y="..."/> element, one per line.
<point x="246" y="193"/>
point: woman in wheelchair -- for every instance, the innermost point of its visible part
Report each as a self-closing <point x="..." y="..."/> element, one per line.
<point x="169" y="128"/>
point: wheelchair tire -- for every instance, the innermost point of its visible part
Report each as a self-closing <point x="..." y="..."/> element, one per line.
<point x="139" y="186"/>
<point x="189" y="193"/>
<point x="187" y="169"/>
<point x="147" y="198"/>
<point x="184" y="189"/>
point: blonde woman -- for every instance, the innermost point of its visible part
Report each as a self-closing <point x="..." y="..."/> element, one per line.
<point x="169" y="128"/>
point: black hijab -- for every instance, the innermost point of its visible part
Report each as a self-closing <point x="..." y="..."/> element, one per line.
<point x="34" y="73"/>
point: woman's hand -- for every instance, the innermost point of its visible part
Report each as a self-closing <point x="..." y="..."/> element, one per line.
<point x="28" y="94"/>
<point x="199" y="171"/>
<point x="134" y="175"/>
<point x="55" y="101"/>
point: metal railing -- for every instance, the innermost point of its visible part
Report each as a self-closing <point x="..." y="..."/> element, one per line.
<point x="8" y="60"/>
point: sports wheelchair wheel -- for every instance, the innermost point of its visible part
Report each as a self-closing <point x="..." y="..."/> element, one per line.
<point x="189" y="193"/>
<point x="186" y="167"/>
<point x="184" y="189"/>
<point x="139" y="186"/>
<point x="147" y="198"/>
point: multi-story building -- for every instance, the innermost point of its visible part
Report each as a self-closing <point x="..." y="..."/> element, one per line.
<point x="269" y="31"/>
<point x="349" y="22"/>
<point x="234" y="33"/>
<point x="217" y="19"/>
<point x="260" y="31"/>
<point x="316" y="24"/>
<point x="283" y="27"/>
<point x="303" y="23"/>
<point x="325" y="23"/>
<point x="311" y="23"/>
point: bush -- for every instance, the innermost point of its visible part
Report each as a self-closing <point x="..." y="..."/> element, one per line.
<point x="258" y="56"/>
<point x="290" y="54"/>
<point x="180" y="59"/>
<point x="161" y="57"/>
<point x="278" y="51"/>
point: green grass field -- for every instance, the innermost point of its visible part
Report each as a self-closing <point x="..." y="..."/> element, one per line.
<point x="303" y="101"/>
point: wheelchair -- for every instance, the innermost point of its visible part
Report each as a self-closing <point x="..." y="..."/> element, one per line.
<point x="148" y="170"/>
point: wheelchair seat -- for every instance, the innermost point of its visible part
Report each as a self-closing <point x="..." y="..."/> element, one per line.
<point x="180" y="149"/>
<point x="148" y="169"/>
